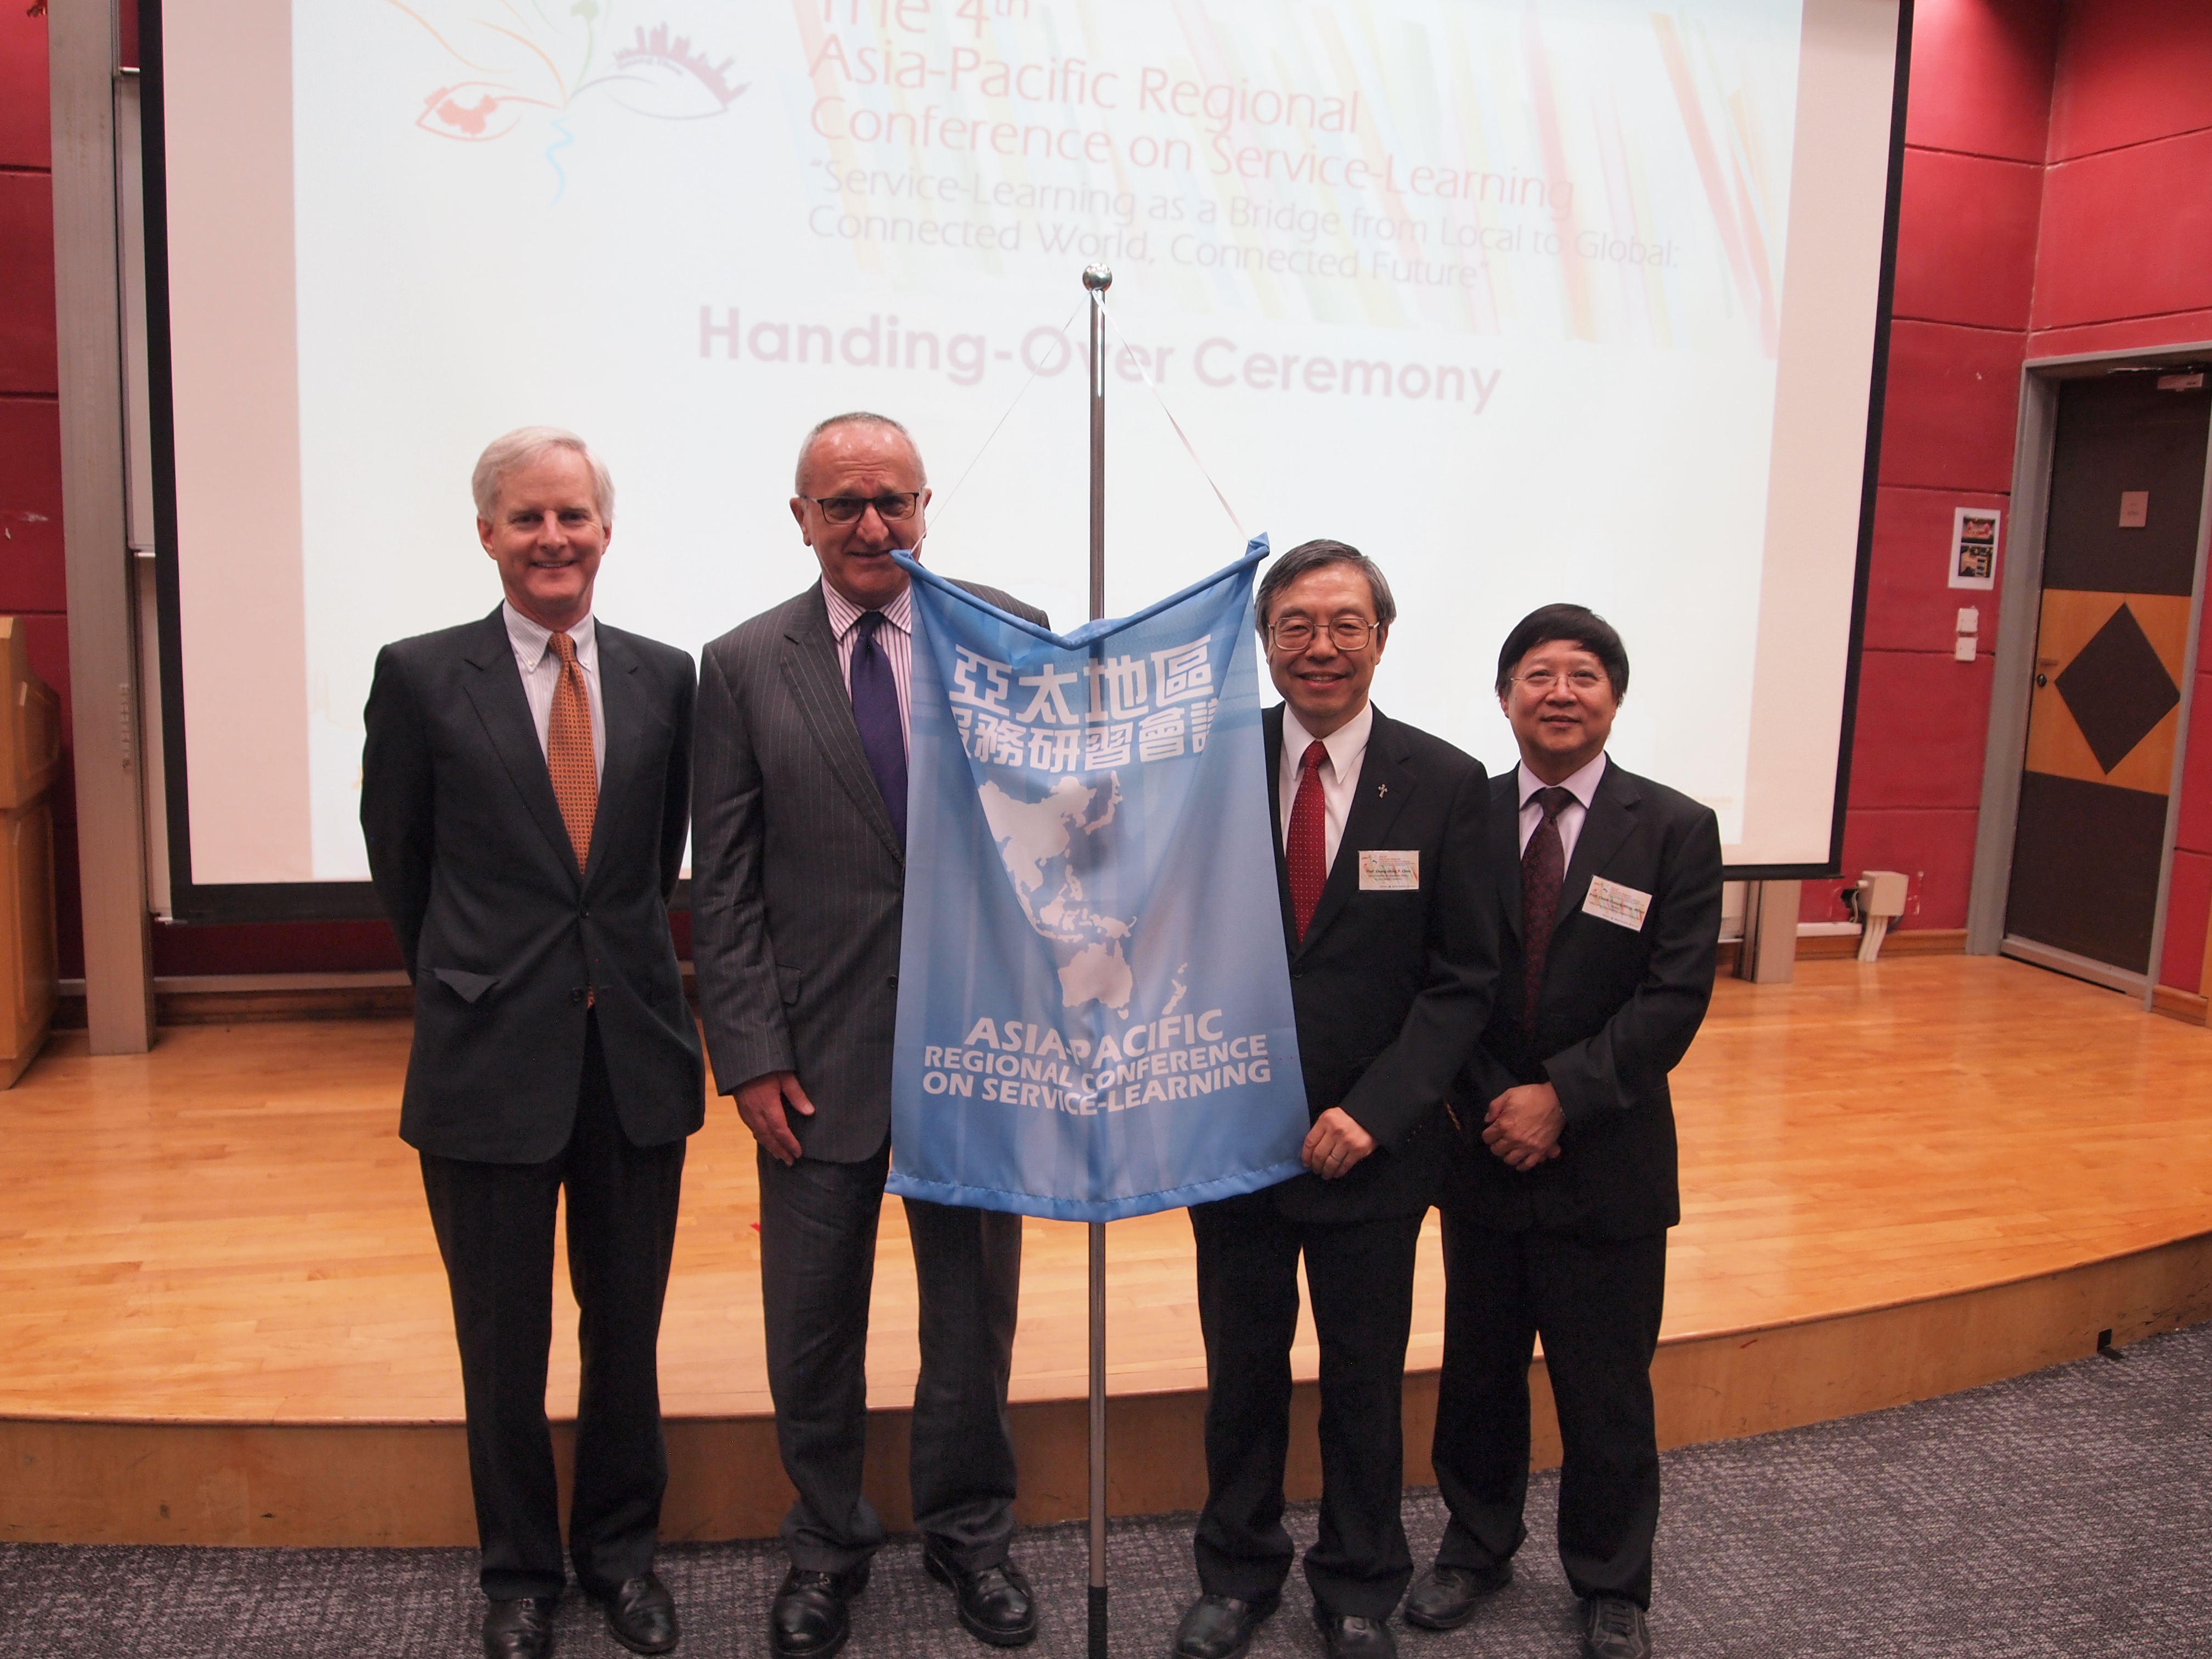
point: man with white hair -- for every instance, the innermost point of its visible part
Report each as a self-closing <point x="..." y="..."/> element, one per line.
<point x="525" y="796"/>
<point x="797" y="886"/>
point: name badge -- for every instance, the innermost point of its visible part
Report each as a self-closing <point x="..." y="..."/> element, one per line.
<point x="1624" y="906"/>
<point x="1390" y="872"/>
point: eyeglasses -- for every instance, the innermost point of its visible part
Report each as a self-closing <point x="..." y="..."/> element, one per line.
<point x="1544" y="681"/>
<point x="847" y="509"/>
<point x="1295" y="634"/>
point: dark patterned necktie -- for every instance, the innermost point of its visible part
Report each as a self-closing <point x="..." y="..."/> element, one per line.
<point x="1305" y="849"/>
<point x="876" y="712"/>
<point x="1543" y="869"/>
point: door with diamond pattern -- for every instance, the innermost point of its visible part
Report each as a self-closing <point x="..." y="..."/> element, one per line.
<point x="2127" y="484"/>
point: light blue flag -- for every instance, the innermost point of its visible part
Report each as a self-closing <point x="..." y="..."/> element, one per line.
<point x="1094" y="1016"/>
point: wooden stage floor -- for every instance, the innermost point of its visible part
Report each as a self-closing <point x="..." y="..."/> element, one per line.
<point x="227" y="1235"/>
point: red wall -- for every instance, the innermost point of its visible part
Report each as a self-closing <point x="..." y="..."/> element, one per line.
<point x="32" y="576"/>
<point x="30" y="579"/>
<point x="1976" y="129"/>
<point x="2124" y="258"/>
<point x="2056" y="200"/>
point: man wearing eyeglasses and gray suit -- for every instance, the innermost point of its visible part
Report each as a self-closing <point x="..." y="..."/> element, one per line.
<point x="798" y="875"/>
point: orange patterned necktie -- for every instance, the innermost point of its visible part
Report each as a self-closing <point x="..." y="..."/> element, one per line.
<point x="569" y="751"/>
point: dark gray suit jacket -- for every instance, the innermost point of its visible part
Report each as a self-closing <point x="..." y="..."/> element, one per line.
<point x="499" y="932"/>
<point x="798" y="879"/>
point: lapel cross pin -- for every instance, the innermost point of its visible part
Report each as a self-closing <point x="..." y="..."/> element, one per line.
<point x="1382" y="789"/>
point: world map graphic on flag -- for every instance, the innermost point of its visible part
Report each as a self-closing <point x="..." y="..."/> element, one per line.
<point x="1043" y="844"/>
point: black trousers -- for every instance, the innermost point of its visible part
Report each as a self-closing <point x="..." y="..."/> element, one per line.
<point x="494" y="1225"/>
<point x="1596" y="1302"/>
<point x="1361" y="1274"/>
<point x="817" y="1224"/>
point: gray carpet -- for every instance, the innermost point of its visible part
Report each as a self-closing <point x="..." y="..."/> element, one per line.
<point x="2067" y="1514"/>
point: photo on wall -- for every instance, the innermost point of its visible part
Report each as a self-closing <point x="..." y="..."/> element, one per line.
<point x="1974" y="547"/>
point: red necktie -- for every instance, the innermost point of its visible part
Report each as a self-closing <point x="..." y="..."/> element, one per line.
<point x="1305" y="849"/>
<point x="1543" y="869"/>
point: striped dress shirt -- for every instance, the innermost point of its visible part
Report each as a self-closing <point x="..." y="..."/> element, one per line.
<point x="895" y="638"/>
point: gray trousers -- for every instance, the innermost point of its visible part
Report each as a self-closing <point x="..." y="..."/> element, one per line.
<point x="817" y="1223"/>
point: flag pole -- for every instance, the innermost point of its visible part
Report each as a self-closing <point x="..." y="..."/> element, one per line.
<point x="1097" y="279"/>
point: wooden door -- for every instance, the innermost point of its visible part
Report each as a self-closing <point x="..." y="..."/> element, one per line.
<point x="2127" y="490"/>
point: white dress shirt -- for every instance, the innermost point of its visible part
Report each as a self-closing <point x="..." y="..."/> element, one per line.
<point x="1340" y="773"/>
<point x="1582" y="785"/>
<point x="541" y="673"/>
<point x="895" y="639"/>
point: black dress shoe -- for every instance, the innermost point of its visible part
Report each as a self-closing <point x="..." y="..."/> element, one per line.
<point x="993" y="1602"/>
<point x="809" y="1618"/>
<point x="1348" y="1636"/>
<point x="1446" y="1597"/>
<point x="641" y="1614"/>
<point x="1221" y="1626"/>
<point x="1613" y="1628"/>
<point x="520" y="1629"/>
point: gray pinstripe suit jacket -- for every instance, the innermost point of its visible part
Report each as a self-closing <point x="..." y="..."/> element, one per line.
<point x="798" y="879"/>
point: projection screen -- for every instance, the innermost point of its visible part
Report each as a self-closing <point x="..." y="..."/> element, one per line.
<point x="1531" y="299"/>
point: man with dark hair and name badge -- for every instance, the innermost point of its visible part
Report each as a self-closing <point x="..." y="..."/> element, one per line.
<point x="1380" y="867"/>
<point x="1556" y="1214"/>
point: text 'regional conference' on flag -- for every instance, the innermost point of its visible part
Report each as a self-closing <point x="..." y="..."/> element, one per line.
<point x="1094" y="1013"/>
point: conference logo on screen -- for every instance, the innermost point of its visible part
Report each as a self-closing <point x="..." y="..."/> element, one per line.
<point x="524" y="61"/>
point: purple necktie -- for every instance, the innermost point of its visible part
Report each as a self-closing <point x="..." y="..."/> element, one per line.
<point x="876" y="712"/>
<point x="1543" y="869"/>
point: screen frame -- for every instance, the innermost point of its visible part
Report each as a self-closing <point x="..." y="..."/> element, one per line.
<point x="193" y="902"/>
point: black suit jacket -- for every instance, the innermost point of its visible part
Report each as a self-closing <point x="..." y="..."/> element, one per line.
<point x="1615" y="1014"/>
<point x="798" y="879"/>
<point x="1390" y="989"/>
<point x="499" y="932"/>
